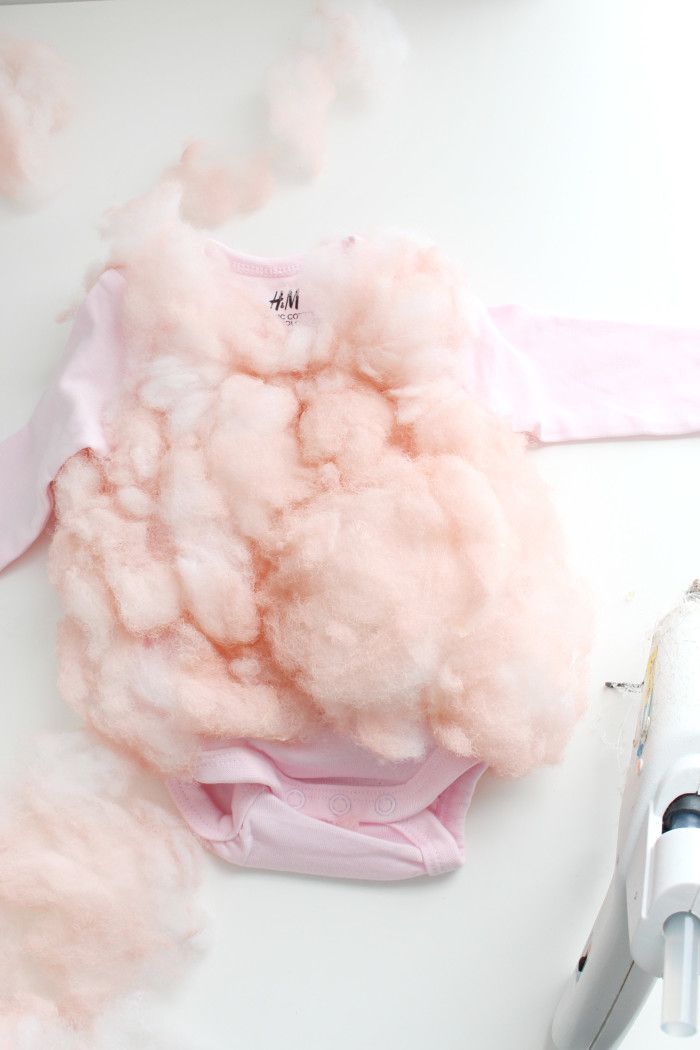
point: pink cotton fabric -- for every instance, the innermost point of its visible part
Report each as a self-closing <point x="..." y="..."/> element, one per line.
<point x="581" y="380"/>
<point x="328" y="807"/>
<point x="68" y="418"/>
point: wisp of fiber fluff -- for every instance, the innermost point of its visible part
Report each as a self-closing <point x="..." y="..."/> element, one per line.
<point x="312" y="526"/>
<point x="352" y="50"/>
<point x="33" y="1024"/>
<point x="97" y="887"/>
<point x="360" y="41"/>
<point x="346" y="50"/>
<point x="37" y="102"/>
<point x="215" y="187"/>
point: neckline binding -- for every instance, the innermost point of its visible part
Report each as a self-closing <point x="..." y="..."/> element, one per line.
<point x="268" y="265"/>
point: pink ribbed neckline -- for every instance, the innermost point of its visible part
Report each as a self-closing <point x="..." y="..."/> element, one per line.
<point x="268" y="266"/>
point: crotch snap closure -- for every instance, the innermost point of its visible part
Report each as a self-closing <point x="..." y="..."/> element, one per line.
<point x="385" y="805"/>
<point x="339" y="804"/>
<point x="296" y="798"/>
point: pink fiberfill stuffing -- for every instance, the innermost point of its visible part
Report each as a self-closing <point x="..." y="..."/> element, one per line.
<point x="214" y="188"/>
<point x="37" y="102"/>
<point x="348" y="49"/>
<point x="343" y="48"/>
<point x="36" y="1025"/>
<point x="97" y="887"/>
<point x="312" y="525"/>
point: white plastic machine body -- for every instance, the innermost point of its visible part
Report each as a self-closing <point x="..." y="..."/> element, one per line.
<point x="649" y="923"/>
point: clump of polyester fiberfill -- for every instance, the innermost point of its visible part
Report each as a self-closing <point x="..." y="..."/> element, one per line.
<point x="35" y="1024"/>
<point x="97" y="883"/>
<point x="344" y="50"/>
<point x="37" y="102"/>
<point x="314" y="525"/>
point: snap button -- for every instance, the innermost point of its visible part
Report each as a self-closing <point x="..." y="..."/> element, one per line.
<point x="339" y="804"/>
<point x="385" y="805"/>
<point x="296" y="798"/>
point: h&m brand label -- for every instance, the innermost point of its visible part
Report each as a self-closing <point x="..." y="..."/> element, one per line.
<point x="286" y="305"/>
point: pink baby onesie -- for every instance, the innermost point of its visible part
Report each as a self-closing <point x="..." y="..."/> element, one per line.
<point x="324" y="804"/>
<point x="329" y="807"/>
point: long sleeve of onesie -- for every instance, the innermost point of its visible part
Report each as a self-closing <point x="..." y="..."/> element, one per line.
<point x="68" y="418"/>
<point x="563" y="379"/>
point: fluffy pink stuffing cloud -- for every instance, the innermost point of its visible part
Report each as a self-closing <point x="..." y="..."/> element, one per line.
<point x="97" y="887"/>
<point x="36" y="1025"/>
<point x="38" y="94"/>
<point x="352" y="50"/>
<point x="314" y="525"/>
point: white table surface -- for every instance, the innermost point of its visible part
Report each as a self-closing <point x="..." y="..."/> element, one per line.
<point x="553" y="146"/>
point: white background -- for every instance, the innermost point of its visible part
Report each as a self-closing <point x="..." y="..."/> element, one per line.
<point x="552" y="145"/>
